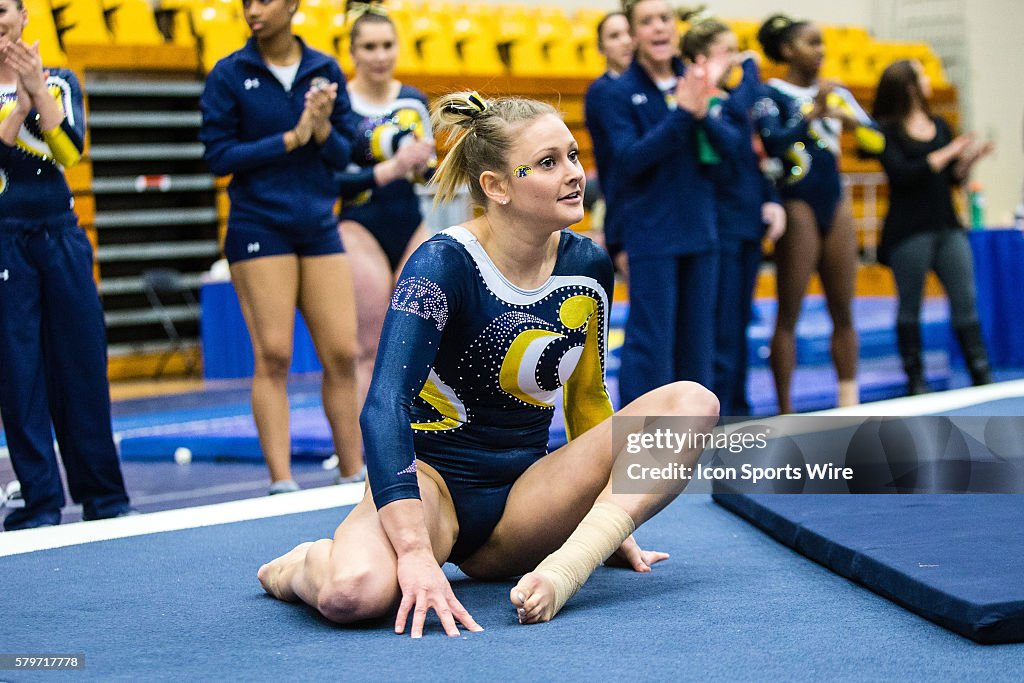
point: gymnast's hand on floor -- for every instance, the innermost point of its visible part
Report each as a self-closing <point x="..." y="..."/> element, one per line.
<point x="631" y="555"/>
<point x="425" y="587"/>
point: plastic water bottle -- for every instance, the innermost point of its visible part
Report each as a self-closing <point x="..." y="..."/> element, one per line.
<point x="976" y="201"/>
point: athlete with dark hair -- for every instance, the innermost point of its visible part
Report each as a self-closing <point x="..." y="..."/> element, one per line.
<point x="922" y="232"/>
<point x="275" y="117"/>
<point x="800" y="122"/>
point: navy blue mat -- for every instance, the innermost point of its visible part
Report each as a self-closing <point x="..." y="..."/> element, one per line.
<point x="953" y="559"/>
<point x="729" y="606"/>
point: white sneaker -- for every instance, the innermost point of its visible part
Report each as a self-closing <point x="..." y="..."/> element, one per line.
<point x="352" y="479"/>
<point x="12" y="494"/>
<point x="283" y="486"/>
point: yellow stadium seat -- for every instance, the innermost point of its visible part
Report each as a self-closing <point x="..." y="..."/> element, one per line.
<point x="589" y="16"/>
<point x="310" y="24"/>
<point x="746" y="32"/>
<point x="132" y="22"/>
<point x="584" y="39"/>
<point x="517" y="34"/>
<point x="41" y="27"/>
<point x="219" y="31"/>
<point x="834" y="38"/>
<point x="181" y="22"/>
<point x="857" y="34"/>
<point x="434" y="44"/>
<point x="340" y="30"/>
<point x="554" y="32"/>
<point x="475" y="41"/>
<point x="181" y="29"/>
<point x="230" y="8"/>
<point x="833" y="68"/>
<point x="324" y="8"/>
<point x="859" y="68"/>
<point x="934" y="70"/>
<point x="81" y="22"/>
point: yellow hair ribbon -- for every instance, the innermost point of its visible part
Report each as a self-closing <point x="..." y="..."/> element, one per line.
<point x="476" y="101"/>
<point x="358" y="9"/>
<point x="472" y="106"/>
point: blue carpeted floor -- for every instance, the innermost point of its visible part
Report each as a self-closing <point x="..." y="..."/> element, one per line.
<point x="730" y="605"/>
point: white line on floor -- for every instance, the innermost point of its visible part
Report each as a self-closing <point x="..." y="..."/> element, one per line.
<point x="30" y="540"/>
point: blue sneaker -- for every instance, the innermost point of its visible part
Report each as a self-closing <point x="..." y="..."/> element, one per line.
<point x="18" y="519"/>
<point x="123" y="512"/>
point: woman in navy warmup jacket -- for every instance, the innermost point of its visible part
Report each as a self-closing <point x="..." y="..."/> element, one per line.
<point x="53" y="343"/>
<point x="748" y="209"/>
<point x="664" y="146"/>
<point x="274" y="117"/>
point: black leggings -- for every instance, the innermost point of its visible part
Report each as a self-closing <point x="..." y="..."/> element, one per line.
<point x="948" y="253"/>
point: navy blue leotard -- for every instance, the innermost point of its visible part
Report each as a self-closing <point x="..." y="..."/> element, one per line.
<point x="468" y="370"/>
<point x="809" y="149"/>
<point x="391" y="213"/>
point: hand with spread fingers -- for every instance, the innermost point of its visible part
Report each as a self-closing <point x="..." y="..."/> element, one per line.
<point x="424" y="588"/>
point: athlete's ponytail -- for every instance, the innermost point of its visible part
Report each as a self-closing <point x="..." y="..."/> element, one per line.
<point x="478" y="133"/>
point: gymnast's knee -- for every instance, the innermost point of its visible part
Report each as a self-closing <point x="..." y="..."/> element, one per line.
<point x="353" y="596"/>
<point x="690" y="399"/>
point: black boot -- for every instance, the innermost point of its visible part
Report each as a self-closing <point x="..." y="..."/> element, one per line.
<point x="973" y="347"/>
<point x="908" y="340"/>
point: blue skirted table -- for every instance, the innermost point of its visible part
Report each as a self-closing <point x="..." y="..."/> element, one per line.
<point x="998" y="267"/>
<point x="999" y="274"/>
<point x="227" y="351"/>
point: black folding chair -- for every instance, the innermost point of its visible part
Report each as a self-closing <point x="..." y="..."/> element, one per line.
<point x="169" y="282"/>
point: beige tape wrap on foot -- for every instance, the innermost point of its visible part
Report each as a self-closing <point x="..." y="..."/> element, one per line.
<point x="599" y="535"/>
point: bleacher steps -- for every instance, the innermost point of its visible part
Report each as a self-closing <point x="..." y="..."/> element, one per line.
<point x="194" y="182"/>
<point x="154" y="119"/>
<point x="146" y="152"/>
<point x="134" y="285"/>
<point x="158" y="251"/>
<point x="151" y="217"/>
<point x="155" y="199"/>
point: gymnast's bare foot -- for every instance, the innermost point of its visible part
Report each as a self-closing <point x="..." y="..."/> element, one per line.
<point x="276" y="575"/>
<point x="534" y="598"/>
